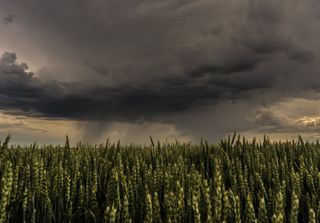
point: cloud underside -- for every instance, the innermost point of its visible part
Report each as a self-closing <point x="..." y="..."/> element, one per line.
<point x="20" y="92"/>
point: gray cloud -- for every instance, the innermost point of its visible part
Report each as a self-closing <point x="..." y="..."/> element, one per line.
<point x="21" y="91"/>
<point x="145" y="61"/>
<point x="98" y="68"/>
<point x="300" y="116"/>
<point x="8" y="19"/>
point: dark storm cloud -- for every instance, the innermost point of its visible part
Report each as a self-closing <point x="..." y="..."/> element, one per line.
<point x="8" y="19"/>
<point x="260" y="37"/>
<point x="21" y="92"/>
<point x="304" y="56"/>
<point x="98" y="68"/>
<point x="155" y="58"/>
<point x="238" y="66"/>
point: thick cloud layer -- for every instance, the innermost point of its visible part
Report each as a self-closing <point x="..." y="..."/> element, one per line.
<point x="138" y="61"/>
<point x="22" y="93"/>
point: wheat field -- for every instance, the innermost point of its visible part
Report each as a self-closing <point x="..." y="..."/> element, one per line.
<point x="234" y="181"/>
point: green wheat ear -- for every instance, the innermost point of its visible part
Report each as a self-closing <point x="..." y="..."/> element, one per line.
<point x="6" y="184"/>
<point x="5" y="144"/>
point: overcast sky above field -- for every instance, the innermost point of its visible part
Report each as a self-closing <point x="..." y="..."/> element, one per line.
<point x="127" y="69"/>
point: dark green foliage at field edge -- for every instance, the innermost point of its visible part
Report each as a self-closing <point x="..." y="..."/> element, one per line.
<point x="235" y="181"/>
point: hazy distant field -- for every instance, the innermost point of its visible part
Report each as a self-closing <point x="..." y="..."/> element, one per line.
<point x="234" y="181"/>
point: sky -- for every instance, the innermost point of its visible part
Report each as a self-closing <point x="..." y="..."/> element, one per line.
<point x="172" y="69"/>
